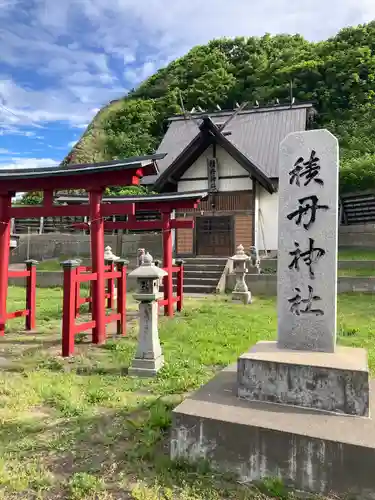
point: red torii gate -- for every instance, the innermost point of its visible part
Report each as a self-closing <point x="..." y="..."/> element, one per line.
<point x="166" y="204"/>
<point x="93" y="178"/>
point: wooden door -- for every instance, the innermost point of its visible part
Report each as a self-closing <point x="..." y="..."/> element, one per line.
<point x="214" y="236"/>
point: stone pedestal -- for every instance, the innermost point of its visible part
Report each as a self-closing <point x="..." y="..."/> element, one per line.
<point x="334" y="382"/>
<point x="148" y="359"/>
<point x="294" y="408"/>
<point x="328" y="454"/>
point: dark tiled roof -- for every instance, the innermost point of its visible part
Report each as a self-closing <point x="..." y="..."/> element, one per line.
<point x="256" y="133"/>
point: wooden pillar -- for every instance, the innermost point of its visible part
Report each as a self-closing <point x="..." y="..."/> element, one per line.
<point x="69" y="307"/>
<point x="31" y="294"/>
<point x="180" y="284"/>
<point x="5" y="223"/>
<point x="97" y="251"/>
<point x="167" y="263"/>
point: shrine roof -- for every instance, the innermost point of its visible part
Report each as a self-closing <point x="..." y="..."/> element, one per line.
<point x="132" y="163"/>
<point x="167" y="197"/>
<point x="252" y="135"/>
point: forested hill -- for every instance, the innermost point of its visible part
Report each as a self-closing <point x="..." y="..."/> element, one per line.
<point x="337" y="74"/>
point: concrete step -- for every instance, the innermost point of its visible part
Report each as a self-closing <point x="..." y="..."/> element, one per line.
<point x="206" y="261"/>
<point x="202" y="273"/>
<point x="204" y="267"/>
<point x="196" y="289"/>
<point x="200" y="281"/>
<point x="199" y="289"/>
<point x="198" y="276"/>
<point x="210" y="285"/>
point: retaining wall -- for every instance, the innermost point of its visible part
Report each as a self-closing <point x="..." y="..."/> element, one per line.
<point x="271" y="264"/>
<point x="357" y="235"/>
<point x="54" y="279"/>
<point x="50" y="246"/>
<point x="266" y="284"/>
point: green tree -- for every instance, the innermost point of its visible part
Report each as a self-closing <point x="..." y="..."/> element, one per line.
<point x="337" y="74"/>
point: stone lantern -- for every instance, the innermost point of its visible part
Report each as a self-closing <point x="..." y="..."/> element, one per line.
<point x="148" y="358"/>
<point x="109" y="256"/>
<point x="241" y="291"/>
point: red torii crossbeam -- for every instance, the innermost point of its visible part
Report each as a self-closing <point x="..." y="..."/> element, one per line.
<point x="166" y="204"/>
<point x="93" y="178"/>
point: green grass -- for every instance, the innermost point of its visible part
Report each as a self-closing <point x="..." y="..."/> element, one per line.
<point x="81" y="429"/>
<point x="54" y="264"/>
<point x="356" y="272"/>
<point x="356" y="254"/>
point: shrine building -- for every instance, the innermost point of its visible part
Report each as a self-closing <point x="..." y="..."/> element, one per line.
<point x="234" y="156"/>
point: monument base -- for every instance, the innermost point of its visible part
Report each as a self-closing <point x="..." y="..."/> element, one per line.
<point x="312" y="451"/>
<point x="244" y="297"/>
<point x="336" y="382"/>
<point x="145" y="367"/>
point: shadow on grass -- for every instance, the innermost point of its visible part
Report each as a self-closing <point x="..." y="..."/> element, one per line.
<point x="128" y="450"/>
<point x="38" y="341"/>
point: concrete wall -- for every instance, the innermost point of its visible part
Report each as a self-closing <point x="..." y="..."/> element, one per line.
<point x="54" y="279"/>
<point x="49" y="246"/>
<point x="358" y="235"/>
<point x="271" y="264"/>
<point x="266" y="284"/>
<point x="227" y="166"/>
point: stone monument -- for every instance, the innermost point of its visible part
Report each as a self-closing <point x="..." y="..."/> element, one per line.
<point x="148" y="359"/>
<point x="298" y="408"/>
<point x="305" y="367"/>
<point x="241" y="291"/>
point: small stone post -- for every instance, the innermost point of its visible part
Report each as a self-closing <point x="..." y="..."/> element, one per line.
<point x="255" y="259"/>
<point x="109" y="260"/>
<point x="148" y="358"/>
<point x="241" y="291"/>
<point x="141" y="252"/>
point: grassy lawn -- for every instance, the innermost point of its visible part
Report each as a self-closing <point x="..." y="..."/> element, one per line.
<point x="356" y="254"/>
<point x="81" y="429"/>
<point x="54" y="264"/>
<point x="356" y="272"/>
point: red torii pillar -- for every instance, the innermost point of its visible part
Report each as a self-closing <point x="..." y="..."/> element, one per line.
<point x="97" y="265"/>
<point x="167" y="262"/>
<point x="93" y="178"/>
<point x="165" y="225"/>
<point x="5" y="218"/>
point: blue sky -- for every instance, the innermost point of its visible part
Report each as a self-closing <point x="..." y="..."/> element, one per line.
<point x="61" y="60"/>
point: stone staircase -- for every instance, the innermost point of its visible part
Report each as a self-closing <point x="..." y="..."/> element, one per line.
<point x="201" y="274"/>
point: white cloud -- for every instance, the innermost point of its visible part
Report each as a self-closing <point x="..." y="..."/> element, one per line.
<point x="140" y="73"/>
<point x="71" y="144"/>
<point x="172" y="26"/>
<point x="28" y="163"/>
<point x="28" y="107"/>
<point x="81" y="53"/>
<point x="4" y="151"/>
